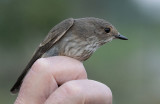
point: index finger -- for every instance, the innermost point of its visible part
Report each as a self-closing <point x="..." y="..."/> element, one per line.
<point x="45" y="76"/>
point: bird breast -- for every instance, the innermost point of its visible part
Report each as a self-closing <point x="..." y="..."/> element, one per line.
<point x="78" y="48"/>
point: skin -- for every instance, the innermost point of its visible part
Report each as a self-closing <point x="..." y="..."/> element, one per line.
<point x="40" y="86"/>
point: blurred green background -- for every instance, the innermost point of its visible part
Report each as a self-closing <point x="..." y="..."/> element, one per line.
<point x="130" y="68"/>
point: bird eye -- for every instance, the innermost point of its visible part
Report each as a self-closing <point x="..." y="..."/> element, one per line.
<point x="107" y="30"/>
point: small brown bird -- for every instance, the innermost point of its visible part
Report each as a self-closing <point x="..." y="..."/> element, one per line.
<point x="76" y="38"/>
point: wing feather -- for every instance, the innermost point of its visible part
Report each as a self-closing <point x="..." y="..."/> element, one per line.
<point x="56" y="33"/>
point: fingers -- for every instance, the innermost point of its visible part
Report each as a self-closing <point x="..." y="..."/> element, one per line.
<point x="41" y="84"/>
<point x="45" y="76"/>
<point x="81" y="92"/>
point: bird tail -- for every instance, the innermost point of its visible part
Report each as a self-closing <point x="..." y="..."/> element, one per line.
<point x="19" y="81"/>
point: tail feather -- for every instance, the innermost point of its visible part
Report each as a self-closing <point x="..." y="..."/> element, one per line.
<point x="19" y="81"/>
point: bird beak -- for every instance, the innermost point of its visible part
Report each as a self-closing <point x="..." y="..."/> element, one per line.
<point x="119" y="36"/>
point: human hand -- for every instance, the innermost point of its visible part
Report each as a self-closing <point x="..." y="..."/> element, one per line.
<point x="41" y="84"/>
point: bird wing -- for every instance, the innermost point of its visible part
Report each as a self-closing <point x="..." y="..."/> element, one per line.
<point x="56" y="33"/>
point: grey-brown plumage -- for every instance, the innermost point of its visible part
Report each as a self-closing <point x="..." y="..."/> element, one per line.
<point x="76" y="38"/>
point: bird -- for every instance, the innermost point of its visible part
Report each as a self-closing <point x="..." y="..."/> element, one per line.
<point x="76" y="38"/>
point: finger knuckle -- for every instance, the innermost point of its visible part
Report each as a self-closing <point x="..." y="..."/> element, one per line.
<point x="82" y="74"/>
<point x="72" y="89"/>
<point x="39" y="65"/>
